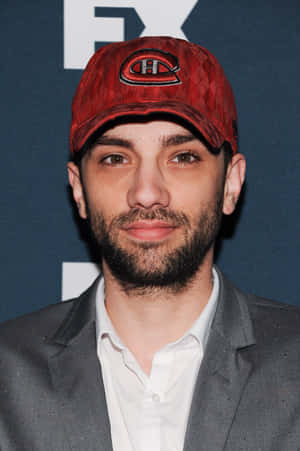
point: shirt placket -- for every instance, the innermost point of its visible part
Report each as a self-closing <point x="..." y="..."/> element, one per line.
<point x="156" y="386"/>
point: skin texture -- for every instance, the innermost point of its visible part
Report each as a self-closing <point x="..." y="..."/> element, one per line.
<point x="150" y="187"/>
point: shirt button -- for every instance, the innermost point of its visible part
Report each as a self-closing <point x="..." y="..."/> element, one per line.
<point x="155" y="397"/>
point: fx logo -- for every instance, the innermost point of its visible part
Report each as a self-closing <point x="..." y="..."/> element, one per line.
<point x="90" y="23"/>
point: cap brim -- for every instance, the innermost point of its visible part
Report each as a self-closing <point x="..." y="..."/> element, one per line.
<point x="180" y="110"/>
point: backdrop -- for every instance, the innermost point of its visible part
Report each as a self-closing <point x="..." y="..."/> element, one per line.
<point x="45" y="45"/>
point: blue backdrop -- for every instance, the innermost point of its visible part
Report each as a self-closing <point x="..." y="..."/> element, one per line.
<point x="258" y="44"/>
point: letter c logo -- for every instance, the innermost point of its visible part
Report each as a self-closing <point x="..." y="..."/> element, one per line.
<point x="148" y="67"/>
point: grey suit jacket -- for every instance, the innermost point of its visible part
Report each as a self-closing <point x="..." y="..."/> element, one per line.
<point x="247" y="395"/>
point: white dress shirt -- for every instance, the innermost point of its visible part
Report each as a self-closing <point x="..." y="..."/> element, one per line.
<point x="150" y="413"/>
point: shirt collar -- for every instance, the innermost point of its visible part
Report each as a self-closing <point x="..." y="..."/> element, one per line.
<point x="201" y="327"/>
<point x="199" y="330"/>
<point x="104" y="325"/>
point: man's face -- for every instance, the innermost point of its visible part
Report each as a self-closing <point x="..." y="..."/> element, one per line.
<point x="153" y="195"/>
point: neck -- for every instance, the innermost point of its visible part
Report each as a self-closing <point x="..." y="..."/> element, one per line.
<point x="146" y="320"/>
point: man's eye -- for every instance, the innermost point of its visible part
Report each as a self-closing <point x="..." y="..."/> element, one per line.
<point x="186" y="157"/>
<point x="114" y="159"/>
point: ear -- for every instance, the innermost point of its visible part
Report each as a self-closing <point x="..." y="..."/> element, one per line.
<point x="235" y="177"/>
<point x="75" y="182"/>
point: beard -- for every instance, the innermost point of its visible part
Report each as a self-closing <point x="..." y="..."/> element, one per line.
<point x="143" y="266"/>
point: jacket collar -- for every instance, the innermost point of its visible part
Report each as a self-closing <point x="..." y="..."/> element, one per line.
<point x="232" y="320"/>
<point x="82" y="313"/>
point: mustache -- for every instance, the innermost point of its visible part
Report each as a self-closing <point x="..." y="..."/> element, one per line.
<point x="160" y="214"/>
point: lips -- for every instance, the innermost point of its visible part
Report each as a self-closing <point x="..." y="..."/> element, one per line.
<point x="149" y="230"/>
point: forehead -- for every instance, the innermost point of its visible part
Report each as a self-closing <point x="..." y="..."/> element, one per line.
<point x="164" y="133"/>
<point x="155" y="128"/>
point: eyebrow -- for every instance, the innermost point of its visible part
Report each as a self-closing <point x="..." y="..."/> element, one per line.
<point x="166" y="141"/>
<point x="175" y="140"/>
<point x="110" y="141"/>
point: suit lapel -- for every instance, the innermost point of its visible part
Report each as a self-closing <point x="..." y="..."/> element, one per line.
<point x="77" y="379"/>
<point x="223" y="374"/>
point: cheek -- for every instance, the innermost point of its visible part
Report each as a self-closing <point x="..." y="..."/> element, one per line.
<point x="197" y="191"/>
<point x="106" y="198"/>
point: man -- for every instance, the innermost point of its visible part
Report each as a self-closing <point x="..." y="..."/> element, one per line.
<point x="162" y="352"/>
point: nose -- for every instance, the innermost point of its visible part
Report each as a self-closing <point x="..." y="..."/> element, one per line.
<point x="148" y="188"/>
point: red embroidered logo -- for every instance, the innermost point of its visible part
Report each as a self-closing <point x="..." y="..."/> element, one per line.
<point x="150" y="67"/>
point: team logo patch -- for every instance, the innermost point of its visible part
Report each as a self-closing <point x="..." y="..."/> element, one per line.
<point x="150" y="67"/>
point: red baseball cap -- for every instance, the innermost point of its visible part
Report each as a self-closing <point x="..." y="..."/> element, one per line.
<point x="155" y="75"/>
